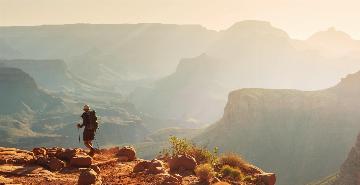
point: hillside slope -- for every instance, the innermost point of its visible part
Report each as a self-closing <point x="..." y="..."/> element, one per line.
<point x="301" y="135"/>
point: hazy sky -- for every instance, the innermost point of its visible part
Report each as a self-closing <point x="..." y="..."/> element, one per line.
<point x="300" y="18"/>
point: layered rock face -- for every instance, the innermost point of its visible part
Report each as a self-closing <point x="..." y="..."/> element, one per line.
<point x="350" y="169"/>
<point x="300" y="135"/>
<point x="41" y="70"/>
<point x="19" y="92"/>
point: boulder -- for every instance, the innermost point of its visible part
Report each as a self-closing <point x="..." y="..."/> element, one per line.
<point x="87" y="177"/>
<point x="67" y="154"/>
<point x="128" y="152"/>
<point x="96" y="169"/>
<point x="55" y="164"/>
<point x="39" y="151"/>
<point x="141" y="166"/>
<point x="15" y="156"/>
<point x="267" y="178"/>
<point x="156" y="167"/>
<point x="81" y="161"/>
<point x="182" y="162"/>
<point x="51" y="152"/>
<point x="153" y="167"/>
<point x="42" y="161"/>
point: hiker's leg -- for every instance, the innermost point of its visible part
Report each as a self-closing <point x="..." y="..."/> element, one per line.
<point x="92" y="150"/>
<point x="88" y="145"/>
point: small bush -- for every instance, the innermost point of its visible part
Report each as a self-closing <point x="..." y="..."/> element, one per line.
<point x="233" y="173"/>
<point x="204" y="172"/>
<point x="233" y="160"/>
<point x="180" y="146"/>
<point x="226" y="170"/>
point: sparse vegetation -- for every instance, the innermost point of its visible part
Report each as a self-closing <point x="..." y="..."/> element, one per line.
<point x="231" y="172"/>
<point x="233" y="160"/>
<point x="179" y="146"/>
<point x="204" y="172"/>
<point x="229" y="166"/>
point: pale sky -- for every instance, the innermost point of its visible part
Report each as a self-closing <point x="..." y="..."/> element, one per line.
<point x="300" y="18"/>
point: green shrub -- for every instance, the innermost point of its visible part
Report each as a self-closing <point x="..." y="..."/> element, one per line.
<point x="233" y="173"/>
<point x="204" y="172"/>
<point x="233" y="160"/>
<point x="180" y="146"/>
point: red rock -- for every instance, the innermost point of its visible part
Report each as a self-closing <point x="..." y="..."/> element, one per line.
<point x="182" y="162"/>
<point x="39" y="151"/>
<point x="268" y="178"/>
<point x="128" y="152"/>
<point x="55" y="164"/>
<point x="67" y="154"/>
<point x="141" y="166"/>
<point x="15" y="156"/>
<point x="42" y="161"/>
<point x="156" y="167"/>
<point x="4" y="180"/>
<point x="87" y="177"/>
<point x="96" y="169"/>
<point x="167" y="179"/>
<point x="81" y="161"/>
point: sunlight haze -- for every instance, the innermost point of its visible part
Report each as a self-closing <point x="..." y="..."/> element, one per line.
<point x="300" y="18"/>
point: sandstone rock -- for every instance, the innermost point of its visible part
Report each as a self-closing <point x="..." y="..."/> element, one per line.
<point x="42" y="161"/>
<point x="96" y="169"/>
<point x="81" y="161"/>
<point x="182" y="162"/>
<point x="167" y="179"/>
<point x="55" y="164"/>
<point x="4" y="180"/>
<point x="15" y="156"/>
<point x="39" y="151"/>
<point x="221" y="183"/>
<point x="267" y="178"/>
<point x="67" y="154"/>
<point x="128" y="152"/>
<point x="141" y="166"/>
<point x="156" y="167"/>
<point x="88" y="177"/>
<point x="51" y="152"/>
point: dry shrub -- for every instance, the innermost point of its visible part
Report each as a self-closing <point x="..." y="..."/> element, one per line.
<point x="233" y="173"/>
<point x="181" y="146"/>
<point x="233" y="160"/>
<point x="204" y="172"/>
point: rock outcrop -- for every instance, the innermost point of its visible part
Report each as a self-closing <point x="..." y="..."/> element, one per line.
<point x="106" y="168"/>
<point x="89" y="177"/>
<point x="15" y="156"/>
<point x="261" y="123"/>
<point x="350" y="169"/>
<point x="154" y="166"/>
<point x="182" y="162"/>
<point x="127" y="153"/>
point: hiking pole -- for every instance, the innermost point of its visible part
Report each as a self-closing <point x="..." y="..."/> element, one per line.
<point x="79" y="134"/>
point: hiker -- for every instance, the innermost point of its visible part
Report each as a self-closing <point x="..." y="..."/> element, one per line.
<point x="90" y="123"/>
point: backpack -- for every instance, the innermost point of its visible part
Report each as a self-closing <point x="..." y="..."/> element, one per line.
<point x="93" y="124"/>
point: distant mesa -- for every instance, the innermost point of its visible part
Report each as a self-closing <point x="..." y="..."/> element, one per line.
<point x="263" y="123"/>
<point x="19" y="92"/>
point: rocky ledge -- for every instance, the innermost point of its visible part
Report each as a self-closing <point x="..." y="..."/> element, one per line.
<point x="116" y="165"/>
